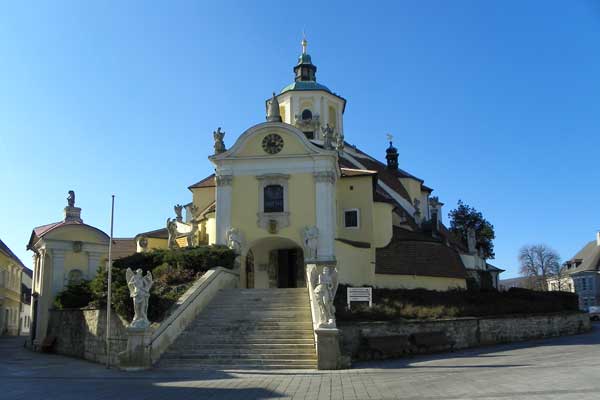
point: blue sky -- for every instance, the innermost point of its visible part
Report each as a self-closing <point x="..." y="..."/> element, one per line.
<point x="495" y="103"/>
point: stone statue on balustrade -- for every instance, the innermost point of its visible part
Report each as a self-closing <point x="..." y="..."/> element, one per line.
<point x="191" y="237"/>
<point x="178" y="208"/>
<point x="234" y="240"/>
<point x="325" y="287"/>
<point x="139" y="290"/>
<point x="311" y="242"/>
<point x="172" y="231"/>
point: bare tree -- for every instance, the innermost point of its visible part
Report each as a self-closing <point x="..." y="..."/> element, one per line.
<point x="540" y="262"/>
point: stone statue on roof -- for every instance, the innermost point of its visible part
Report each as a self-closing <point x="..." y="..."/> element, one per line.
<point x="71" y="198"/>
<point x="218" y="135"/>
<point x="339" y="141"/>
<point x="273" y="113"/>
<point x="178" y="208"/>
<point x="327" y="137"/>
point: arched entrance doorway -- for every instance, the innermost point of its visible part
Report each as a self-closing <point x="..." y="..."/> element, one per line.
<point x="275" y="262"/>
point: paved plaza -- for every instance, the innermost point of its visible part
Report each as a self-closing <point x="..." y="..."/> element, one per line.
<point x="562" y="368"/>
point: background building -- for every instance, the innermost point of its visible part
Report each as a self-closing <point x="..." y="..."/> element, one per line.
<point x="10" y="290"/>
<point x="65" y="251"/>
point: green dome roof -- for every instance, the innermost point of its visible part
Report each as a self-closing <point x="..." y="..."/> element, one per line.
<point x="304" y="59"/>
<point x="305" y="85"/>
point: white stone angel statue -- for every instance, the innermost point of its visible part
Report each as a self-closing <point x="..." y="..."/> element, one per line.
<point x="139" y="290"/>
<point x="311" y="241"/>
<point x="234" y="240"/>
<point x="325" y="287"/>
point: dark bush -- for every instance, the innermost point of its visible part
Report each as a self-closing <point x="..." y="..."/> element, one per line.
<point x="173" y="272"/>
<point x="390" y="304"/>
<point x="75" y="295"/>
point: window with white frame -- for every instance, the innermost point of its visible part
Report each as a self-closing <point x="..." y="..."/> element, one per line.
<point x="352" y="218"/>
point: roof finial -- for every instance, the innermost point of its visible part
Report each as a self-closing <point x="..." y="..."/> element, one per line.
<point x="304" y="42"/>
<point x="389" y="137"/>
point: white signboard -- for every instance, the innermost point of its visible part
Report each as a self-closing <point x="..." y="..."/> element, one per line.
<point x="360" y="294"/>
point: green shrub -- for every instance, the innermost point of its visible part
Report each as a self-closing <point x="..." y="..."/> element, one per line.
<point x="173" y="272"/>
<point x="390" y="304"/>
<point x="75" y="295"/>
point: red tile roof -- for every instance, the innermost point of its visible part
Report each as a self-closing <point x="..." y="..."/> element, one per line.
<point x="209" y="181"/>
<point x="42" y="230"/>
<point x="415" y="253"/>
<point x="123" y="247"/>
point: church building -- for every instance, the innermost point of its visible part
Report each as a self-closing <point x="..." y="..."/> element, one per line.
<point x="291" y="191"/>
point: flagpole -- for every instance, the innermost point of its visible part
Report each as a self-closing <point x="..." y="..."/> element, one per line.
<point x="108" y="297"/>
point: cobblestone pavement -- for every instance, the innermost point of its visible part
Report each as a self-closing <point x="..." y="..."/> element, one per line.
<point x="562" y="368"/>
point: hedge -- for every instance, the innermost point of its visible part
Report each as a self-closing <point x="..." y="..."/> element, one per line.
<point x="173" y="272"/>
<point x="392" y="304"/>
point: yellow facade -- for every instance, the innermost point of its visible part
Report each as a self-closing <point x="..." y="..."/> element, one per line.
<point x="245" y="196"/>
<point x="356" y="194"/>
<point x="203" y="197"/>
<point x="253" y="146"/>
<point x="10" y="295"/>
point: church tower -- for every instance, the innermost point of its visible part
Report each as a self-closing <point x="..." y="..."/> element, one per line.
<point x="308" y="105"/>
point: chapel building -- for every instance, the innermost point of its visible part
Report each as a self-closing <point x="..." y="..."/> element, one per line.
<point x="291" y="191"/>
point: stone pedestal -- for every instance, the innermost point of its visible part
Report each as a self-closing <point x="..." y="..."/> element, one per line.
<point x="73" y="214"/>
<point x="328" y="348"/>
<point x="137" y="356"/>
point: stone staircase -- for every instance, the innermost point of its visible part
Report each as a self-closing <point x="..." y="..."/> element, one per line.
<point x="248" y="329"/>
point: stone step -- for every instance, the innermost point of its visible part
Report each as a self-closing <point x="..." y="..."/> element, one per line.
<point x="224" y="331"/>
<point x="262" y="347"/>
<point x="248" y="329"/>
<point x="225" y="355"/>
<point x="229" y="325"/>
<point x="262" y="303"/>
<point x="259" y="306"/>
<point x="237" y="362"/>
<point x="264" y="290"/>
<point x="194" y="366"/>
<point x="297" y="313"/>
<point x="260" y="340"/>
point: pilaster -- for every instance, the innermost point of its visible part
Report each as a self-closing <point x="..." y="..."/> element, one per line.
<point x="58" y="271"/>
<point x="325" y="213"/>
<point x="94" y="258"/>
<point x="223" y="199"/>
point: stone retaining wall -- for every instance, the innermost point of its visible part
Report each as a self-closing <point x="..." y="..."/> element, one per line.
<point x="82" y="334"/>
<point x="378" y="340"/>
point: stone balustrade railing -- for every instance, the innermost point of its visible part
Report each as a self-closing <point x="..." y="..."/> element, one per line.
<point x="144" y="347"/>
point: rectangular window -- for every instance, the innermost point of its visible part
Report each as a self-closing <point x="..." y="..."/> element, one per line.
<point x="273" y="200"/>
<point x="351" y="218"/>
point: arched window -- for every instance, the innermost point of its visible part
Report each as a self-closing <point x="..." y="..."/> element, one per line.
<point x="273" y="200"/>
<point x="306" y="115"/>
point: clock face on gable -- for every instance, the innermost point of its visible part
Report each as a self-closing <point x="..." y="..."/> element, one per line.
<point x="272" y="143"/>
